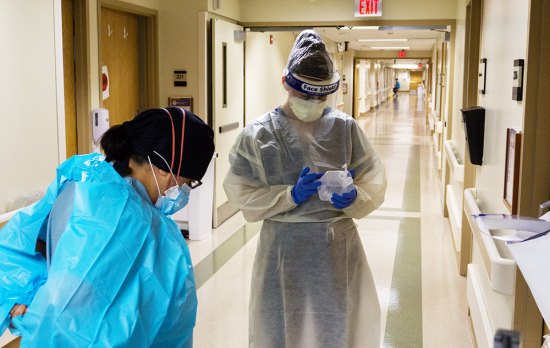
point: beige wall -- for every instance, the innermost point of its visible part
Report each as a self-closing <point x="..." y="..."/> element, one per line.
<point x="510" y="22"/>
<point x="179" y="48"/>
<point x="334" y="10"/>
<point x="264" y="68"/>
<point x="227" y="8"/>
<point x="28" y="91"/>
<point x="457" y="79"/>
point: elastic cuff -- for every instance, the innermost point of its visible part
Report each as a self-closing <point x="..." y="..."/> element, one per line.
<point x="290" y="196"/>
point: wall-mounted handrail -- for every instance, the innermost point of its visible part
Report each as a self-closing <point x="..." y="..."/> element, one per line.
<point x="228" y="127"/>
<point x="501" y="271"/>
<point x="457" y="168"/>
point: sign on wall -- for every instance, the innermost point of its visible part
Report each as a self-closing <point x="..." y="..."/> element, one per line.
<point x="368" y="8"/>
<point x="181" y="102"/>
<point x="180" y="78"/>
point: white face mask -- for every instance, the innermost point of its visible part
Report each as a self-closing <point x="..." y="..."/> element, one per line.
<point x="307" y="110"/>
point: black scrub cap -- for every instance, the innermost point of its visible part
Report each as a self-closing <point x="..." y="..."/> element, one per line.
<point x="157" y="132"/>
<point x="310" y="58"/>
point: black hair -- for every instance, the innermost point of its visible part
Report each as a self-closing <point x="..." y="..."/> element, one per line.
<point x="118" y="149"/>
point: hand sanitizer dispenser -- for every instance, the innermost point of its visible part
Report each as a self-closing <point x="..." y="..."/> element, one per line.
<point x="100" y="123"/>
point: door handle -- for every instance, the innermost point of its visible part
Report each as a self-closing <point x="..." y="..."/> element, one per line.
<point x="228" y="127"/>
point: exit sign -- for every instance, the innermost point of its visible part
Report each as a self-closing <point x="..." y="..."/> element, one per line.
<point x="402" y="54"/>
<point x="368" y="8"/>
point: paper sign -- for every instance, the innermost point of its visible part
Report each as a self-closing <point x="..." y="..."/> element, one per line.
<point x="105" y="81"/>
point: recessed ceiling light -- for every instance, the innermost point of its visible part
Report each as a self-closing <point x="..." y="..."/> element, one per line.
<point x="383" y="40"/>
<point x="391" y="48"/>
<point x="370" y="27"/>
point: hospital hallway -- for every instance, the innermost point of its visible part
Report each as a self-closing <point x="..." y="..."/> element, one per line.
<point x="407" y="243"/>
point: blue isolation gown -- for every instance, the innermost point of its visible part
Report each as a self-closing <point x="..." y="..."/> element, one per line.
<point x="117" y="274"/>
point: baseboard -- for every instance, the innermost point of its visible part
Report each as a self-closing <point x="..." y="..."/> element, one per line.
<point x="223" y="212"/>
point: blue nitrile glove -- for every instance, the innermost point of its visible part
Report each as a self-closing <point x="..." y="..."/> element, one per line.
<point x="344" y="200"/>
<point x="352" y="173"/>
<point x="306" y="186"/>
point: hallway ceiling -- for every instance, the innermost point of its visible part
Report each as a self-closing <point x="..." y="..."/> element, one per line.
<point x="417" y="38"/>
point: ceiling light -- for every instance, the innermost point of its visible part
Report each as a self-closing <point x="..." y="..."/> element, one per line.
<point x="391" y="48"/>
<point x="405" y="66"/>
<point x="383" y="40"/>
<point x="371" y="27"/>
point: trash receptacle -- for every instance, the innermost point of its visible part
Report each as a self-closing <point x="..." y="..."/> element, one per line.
<point x="196" y="217"/>
<point x="474" y="124"/>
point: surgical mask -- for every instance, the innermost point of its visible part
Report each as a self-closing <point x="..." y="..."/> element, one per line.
<point x="307" y="110"/>
<point x="175" y="198"/>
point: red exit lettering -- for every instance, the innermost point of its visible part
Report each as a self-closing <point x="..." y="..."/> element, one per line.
<point x="363" y="6"/>
<point x="367" y="7"/>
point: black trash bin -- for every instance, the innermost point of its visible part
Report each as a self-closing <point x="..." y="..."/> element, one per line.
<point x="474" y="124"/>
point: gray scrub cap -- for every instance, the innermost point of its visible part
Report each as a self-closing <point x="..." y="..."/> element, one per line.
<point x="310" y="68"/>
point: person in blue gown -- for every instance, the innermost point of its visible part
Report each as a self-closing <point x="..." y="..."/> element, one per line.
<point x="114" y="270"/>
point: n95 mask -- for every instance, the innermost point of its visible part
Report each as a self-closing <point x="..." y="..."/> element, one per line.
<point x="307" y="110"/>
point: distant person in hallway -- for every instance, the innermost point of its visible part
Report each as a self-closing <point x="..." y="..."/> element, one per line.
<point x="311" y="284"/>
<point x="396" y="87"/>
<point x="114" y="270"/>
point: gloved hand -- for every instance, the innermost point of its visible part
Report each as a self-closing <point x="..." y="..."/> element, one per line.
<point x="306" y="186"/>
<point x="344" y="200"/>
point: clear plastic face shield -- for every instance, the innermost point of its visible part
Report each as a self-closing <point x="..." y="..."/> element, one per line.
<point x="308" y="98"/>
<point x="311" y="77"/>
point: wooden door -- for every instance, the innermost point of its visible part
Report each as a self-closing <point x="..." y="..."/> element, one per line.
<point x="120" y="55"/>
<point x="416" y="79"/>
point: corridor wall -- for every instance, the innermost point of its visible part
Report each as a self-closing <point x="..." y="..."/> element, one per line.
<point x="456" y="138"/>
<point x="263" y="71"/>
<point x="29" y="121"/>
<point x="303" y="11"/>
<point x="501" y="111"/>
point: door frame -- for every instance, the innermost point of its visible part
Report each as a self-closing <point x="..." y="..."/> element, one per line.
<point x="534" y="186"/>
<point x="87" y="19"/>
<point x="150" y="54"/>
<point x="470" y="97"/>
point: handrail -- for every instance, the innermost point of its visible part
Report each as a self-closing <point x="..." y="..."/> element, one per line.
<point x="501" y="271"/>
<point x="457" y="168"/>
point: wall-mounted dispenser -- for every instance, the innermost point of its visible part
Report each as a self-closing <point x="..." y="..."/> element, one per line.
<point x="474" y="124"/>
<point x="100" y="123"/>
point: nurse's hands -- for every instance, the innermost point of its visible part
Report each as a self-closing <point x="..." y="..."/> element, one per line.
<point x="306" y="186"/>
<point x="344" y="200"/>
<point x="17" y="310"/>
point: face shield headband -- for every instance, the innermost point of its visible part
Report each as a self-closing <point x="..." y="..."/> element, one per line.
<point x="311" y="87"/>
<point x="174" y="142"/>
